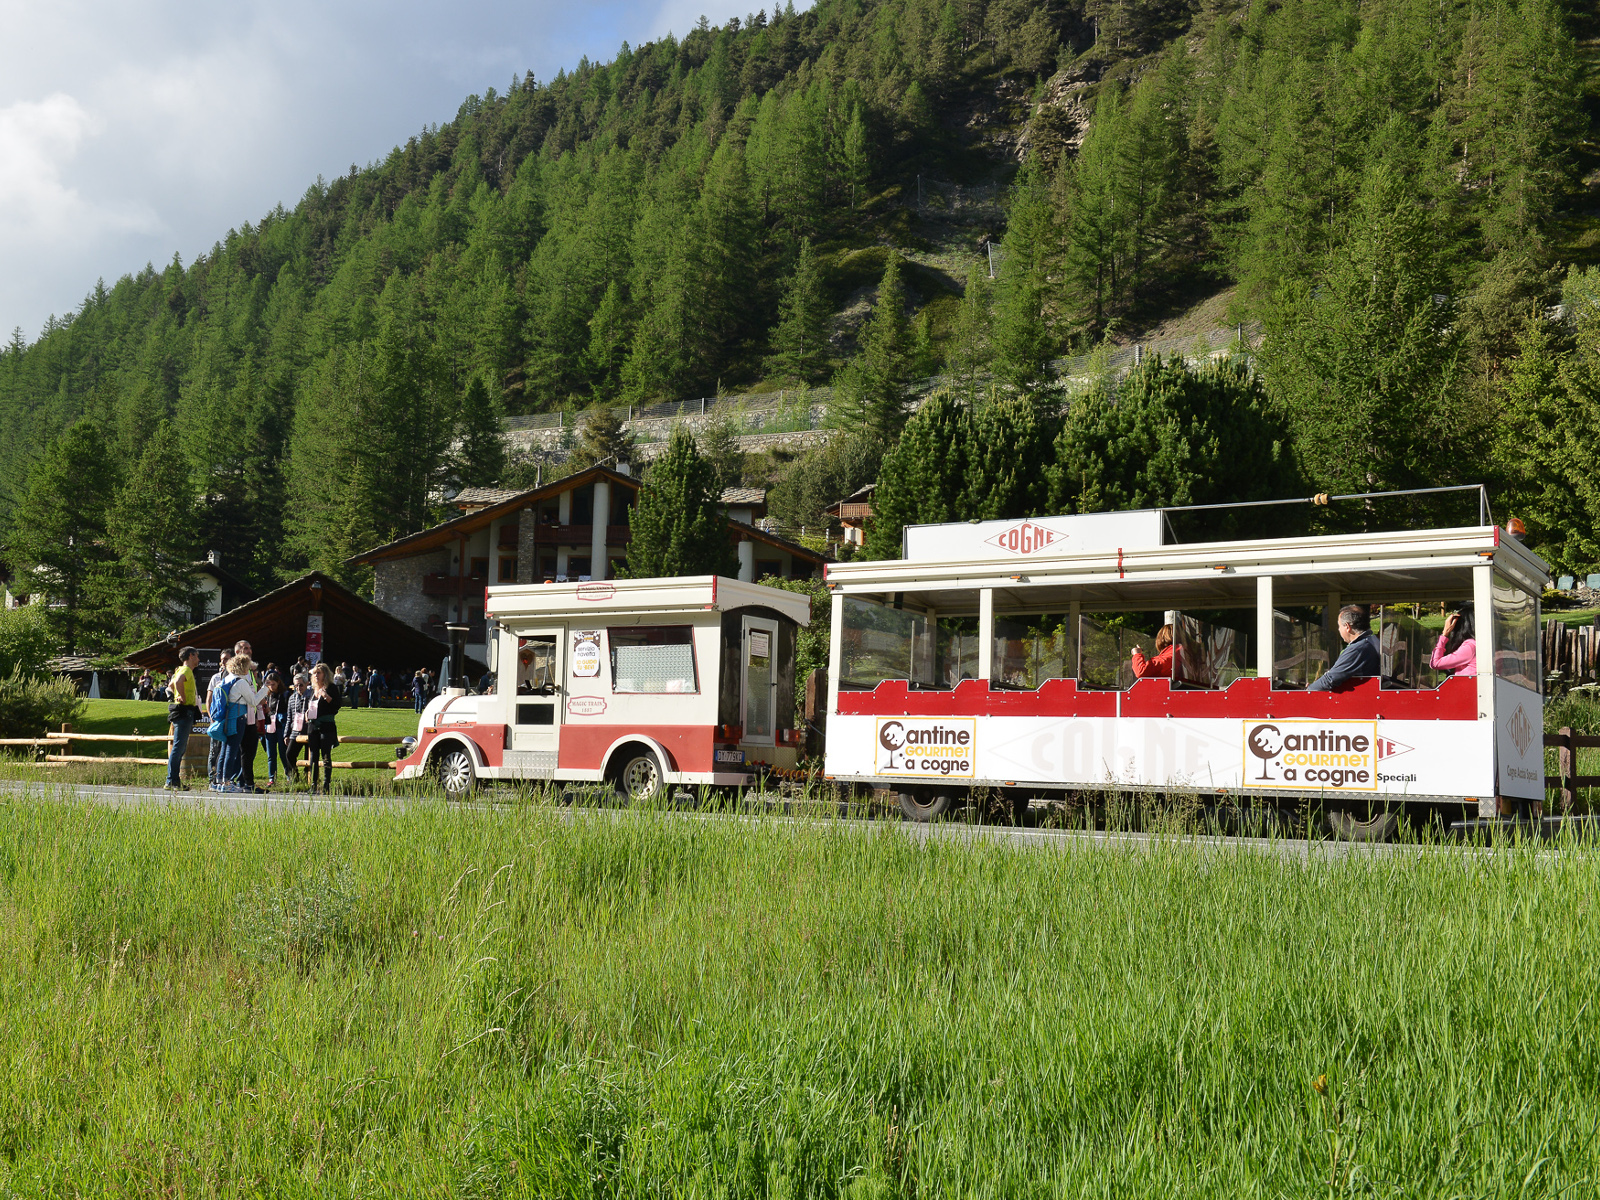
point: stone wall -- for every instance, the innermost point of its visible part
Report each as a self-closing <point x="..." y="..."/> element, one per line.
<point x="397" y="588"/>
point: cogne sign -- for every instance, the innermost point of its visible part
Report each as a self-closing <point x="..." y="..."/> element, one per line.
<point x="1026" y="538"/>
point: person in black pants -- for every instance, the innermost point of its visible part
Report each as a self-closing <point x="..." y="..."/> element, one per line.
<point x="322" y="733"/>
<point x="295" y="723"/>
<point x="251" y="727"/>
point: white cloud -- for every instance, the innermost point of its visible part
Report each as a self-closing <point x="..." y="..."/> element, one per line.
<point x="129" y="132"/>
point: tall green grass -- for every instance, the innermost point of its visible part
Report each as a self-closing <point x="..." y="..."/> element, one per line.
<point x="448" y="1002"/>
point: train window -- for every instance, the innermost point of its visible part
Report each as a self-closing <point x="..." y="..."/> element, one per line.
<point x="882" y="642"/>
<point x="1405" y="650"/>
<point x="652" y="659"/>
<point x="1516" y="635"/>
<point x="1029" y="650"/>
<point x="536" y="658"/>
<point x="1301" y="651"/>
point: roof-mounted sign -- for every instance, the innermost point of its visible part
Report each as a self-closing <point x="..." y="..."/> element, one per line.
<point x="1035" y="537"/>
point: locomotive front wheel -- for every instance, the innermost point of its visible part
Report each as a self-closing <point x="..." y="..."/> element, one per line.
<point x="640" y="777"/>
<point x="456" y="774"/>
<point x="925" y="805"/>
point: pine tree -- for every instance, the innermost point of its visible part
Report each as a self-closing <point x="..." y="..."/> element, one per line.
<point x="677" y="527"/>
<point x="478" y="458"/>
<point x="923" y="479"/>
<point x="603" y="441"/>
<point x="800" y="342"/>
<point x="1011" y="450"/>
<point x="872" y="385"/>
<point x="972" y="349"/>
<point x="1021" y="337"/>
<point x="1367" y="361"/>
<point x="151" y="528"/>
<point x="58" y="541"/>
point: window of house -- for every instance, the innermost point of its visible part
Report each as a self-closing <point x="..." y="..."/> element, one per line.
<point x="767" y="567"/>
<point x="480" y="568"/>
<point x="508" y="569"/>
<point x="547" y="566"/>
<point x="652" y="659"/>
<point x="583" y="505"/>
<point x="577" y="568"/>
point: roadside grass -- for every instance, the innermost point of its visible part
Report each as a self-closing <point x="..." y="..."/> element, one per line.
<point x="521" y="1002"/>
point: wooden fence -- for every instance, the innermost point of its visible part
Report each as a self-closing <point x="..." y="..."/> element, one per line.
<point x="64" y="739"/>
<point x="1566" y="781"/>
<point x="1572" y="651"/>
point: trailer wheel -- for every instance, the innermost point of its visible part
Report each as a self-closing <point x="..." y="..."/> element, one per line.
<point x="924" y="805"/>
<point x="639" y="777"/>
<point x="1380" y="828"/>
<point x="455" y="770"/>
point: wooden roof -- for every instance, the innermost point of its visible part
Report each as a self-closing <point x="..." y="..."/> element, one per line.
<point x="353" y="630"/>
<point x="482" y="518"/>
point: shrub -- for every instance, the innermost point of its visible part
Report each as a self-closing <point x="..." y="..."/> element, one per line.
<point x="29" y="704"/>
<point x="25" y="643"/>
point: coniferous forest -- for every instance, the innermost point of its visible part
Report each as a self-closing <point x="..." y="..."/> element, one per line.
<point x="1404" y="193"/>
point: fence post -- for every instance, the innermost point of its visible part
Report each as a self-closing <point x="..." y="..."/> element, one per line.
<point x="1567" y="766"/>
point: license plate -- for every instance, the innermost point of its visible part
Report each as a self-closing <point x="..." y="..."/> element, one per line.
<point x="730" y="757"/>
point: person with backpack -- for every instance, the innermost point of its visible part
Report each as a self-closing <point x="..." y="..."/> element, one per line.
<point x="232" y="696"/>
<point x="322" y="733"/>
<point x="254" y="720"/>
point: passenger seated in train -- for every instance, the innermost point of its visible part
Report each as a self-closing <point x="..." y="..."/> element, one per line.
<point x="1159" y="667"/>
<point x="1457" y="651"/>
<point x="1360" y="658"/>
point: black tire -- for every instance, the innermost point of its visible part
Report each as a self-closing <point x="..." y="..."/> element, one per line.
<point x="925" y="805"/>
<point x="639" y="776"/>
<point x="456" y="771"/>
<point x="1380" y="828"/>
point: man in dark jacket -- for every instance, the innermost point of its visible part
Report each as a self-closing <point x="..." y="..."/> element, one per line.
<point x="1360" y="658"/>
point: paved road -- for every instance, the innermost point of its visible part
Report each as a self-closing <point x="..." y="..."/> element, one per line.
<point x="1289" y="849"/>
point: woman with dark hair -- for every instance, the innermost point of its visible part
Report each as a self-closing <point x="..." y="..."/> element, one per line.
<point x="1159" y="667"/>
<point x="1457" y="651"/>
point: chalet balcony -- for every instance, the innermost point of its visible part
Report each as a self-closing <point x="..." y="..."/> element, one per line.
<point x="579" y="535"/>
<point x="453" y="585"/>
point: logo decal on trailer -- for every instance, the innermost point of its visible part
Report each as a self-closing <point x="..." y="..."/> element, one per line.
<point x="1314" y="755"/>
<point x="1026" y="538"/>
<point x="586" y="706"/>
<point x="1521" y="731"/>
<point x="596" y="591"/>
<point x="927" y="747"/>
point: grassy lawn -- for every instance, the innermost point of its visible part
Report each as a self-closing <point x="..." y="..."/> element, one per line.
<point x="457" y="1003"/>
<point x="150" y="717"/>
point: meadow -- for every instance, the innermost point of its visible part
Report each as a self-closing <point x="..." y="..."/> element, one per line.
<point x="535" y="1001"/>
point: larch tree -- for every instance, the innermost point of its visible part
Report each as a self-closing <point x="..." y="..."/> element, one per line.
<point x="800" y="341"/>
<point x="678" y="528"/>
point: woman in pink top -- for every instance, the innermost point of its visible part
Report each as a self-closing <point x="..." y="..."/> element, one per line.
<point x="1457" y="651"/>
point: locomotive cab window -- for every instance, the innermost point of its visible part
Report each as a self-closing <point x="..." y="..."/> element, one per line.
<point x="652" y="659"/>
<point x="536" y="666"/>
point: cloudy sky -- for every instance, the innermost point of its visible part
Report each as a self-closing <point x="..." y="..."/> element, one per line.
<point x="133" y="131"/>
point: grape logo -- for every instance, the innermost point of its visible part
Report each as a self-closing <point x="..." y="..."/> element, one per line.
<point x="1521" y="731"/>
<point x="1313" y="755"/>
<point x="1026" y="538"/>
<point x="926" y="747"/>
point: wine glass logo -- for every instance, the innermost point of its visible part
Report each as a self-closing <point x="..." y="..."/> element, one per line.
<point x="892" y="737"/>
<point x="1266" y="743"/>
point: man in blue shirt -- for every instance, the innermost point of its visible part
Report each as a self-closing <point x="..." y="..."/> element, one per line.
<point x="1360" y="657"/>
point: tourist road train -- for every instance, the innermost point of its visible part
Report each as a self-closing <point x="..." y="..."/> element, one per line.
<point x="999" y="655"/>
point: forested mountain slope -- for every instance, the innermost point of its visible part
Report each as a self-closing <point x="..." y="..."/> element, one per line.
<point x="695" y="213"/>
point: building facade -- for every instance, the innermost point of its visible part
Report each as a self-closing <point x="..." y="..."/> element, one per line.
<point x="572" y="529"/>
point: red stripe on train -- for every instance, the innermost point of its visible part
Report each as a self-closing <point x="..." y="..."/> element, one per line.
<point x="691" y="747"/>
<point x="1456" y="699"/>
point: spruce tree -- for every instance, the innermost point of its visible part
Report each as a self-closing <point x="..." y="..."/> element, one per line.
<point x="800" y="342"/>
<point x="719" y="443"/>
<point x="58" y="541"/>
<point x="923" y="479"/>
<point x="151" y="528"/>
<point x="478" y="458"/>
<point x="677" y="527"/>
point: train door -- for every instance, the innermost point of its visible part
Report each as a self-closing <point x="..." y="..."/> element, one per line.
<point x="758" y="679"/>
<point x="536" y="707"/>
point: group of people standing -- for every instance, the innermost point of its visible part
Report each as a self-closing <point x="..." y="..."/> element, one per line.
<point x="246" y="709"/>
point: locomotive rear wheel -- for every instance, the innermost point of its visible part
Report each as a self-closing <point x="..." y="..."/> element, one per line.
<point x="456" y="775"/>
<point x="924" y="806"/>
<point x="640" y="777"/>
